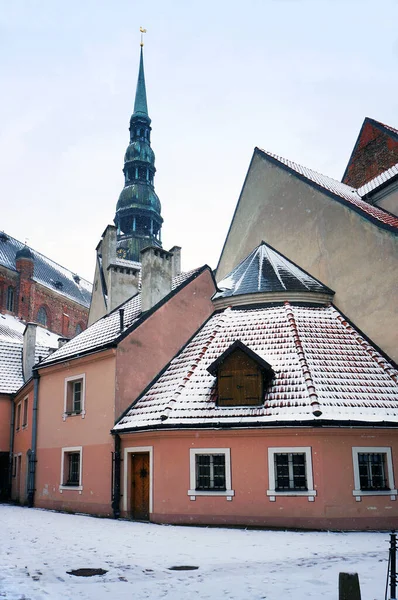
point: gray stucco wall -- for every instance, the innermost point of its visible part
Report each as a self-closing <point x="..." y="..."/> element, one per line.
<point x="347" y="252"/>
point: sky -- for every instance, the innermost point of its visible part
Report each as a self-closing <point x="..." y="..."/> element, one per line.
<point x="39" y="548"/>
<point x="295" y="77"/>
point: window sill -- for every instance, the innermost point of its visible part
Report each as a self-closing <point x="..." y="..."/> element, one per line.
<point x="310" y="494"/>
<point x="74" y="488"/>
<point x="66" y="415"/>
<point x="360" y="493"/>
<point x="225" y="493"/>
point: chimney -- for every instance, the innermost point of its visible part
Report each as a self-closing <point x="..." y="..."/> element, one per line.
<point x="156" y="276"/>
<point x="175" y="260"/>
<point x="108" y="247"/>
<point x="28" y="352"/>
<point x="62" y="341"/>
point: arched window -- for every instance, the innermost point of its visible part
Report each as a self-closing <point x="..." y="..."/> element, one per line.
<point x="78" y="329"/>
<point x="42" y="316"/>
<point x="10" y="299"/>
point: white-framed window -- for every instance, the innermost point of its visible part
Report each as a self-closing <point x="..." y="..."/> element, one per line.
<point x="71" y="468"/>
<point x="290" y="472"/>
<point x="18" y="416"/>
<point x="373" y="472"/>
<point x="210" y="472"/>
<point x="74" y="397"/>
<point x="25" y="412"/>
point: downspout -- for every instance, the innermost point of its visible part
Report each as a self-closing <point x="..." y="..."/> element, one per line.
<point x="116" y="478"/>
<point x="10" y="460"/>
<point x="32" y="456"/>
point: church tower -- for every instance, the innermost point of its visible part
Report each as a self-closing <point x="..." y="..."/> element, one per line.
<point x="138" y="219"/>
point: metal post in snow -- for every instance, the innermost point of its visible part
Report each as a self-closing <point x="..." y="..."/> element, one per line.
<point x="393" y="566"/>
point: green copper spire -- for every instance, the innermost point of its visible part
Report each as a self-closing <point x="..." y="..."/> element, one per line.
<point x="138" y="211"/>
<point x="140" y="104"/>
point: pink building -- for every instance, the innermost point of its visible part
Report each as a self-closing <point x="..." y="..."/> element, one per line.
<point x="277" y="413"/>
<point x="86" y="385"/>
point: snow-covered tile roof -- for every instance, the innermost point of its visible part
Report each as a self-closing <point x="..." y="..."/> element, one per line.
<point x="318" y="360"/>
<point x="47" y="272"/>
<point x="266" y="270"/>
<point x="339" y="189"/>
<point x="379" y="180"/>
<point x="106" y="330"/>
<point x="11" y="344"/>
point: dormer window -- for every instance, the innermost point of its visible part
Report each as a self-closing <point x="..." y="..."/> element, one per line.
<point x="242" y="376"/>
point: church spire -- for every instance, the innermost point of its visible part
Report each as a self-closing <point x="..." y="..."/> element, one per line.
<point x="138" y="219"/>
<point x="140" y="104"/>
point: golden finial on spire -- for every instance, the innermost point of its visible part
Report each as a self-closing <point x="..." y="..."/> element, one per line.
<point x="142" y="36"/>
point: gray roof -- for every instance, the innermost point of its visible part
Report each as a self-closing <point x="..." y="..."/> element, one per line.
<point x="11" y="344"/>
<point x="106" y="331"/>
<point x="47" y="272"/>
<point x="266" y="270"/>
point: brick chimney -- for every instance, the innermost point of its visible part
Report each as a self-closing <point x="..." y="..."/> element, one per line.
<point x="156" y="275"/>
<point x="24" y="262"/>
<point x="28" y="351"/>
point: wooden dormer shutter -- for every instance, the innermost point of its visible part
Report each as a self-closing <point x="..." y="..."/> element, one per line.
<point x="240" y="381"/>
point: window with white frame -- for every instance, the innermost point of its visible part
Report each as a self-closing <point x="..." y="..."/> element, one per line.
<point x="373" y="471"/>
<point x="71" y="468"/>
<point x="18" y="417"/>
<point x="74" y="401"/>
<point x="25" y="412"/>
<point x="290" y="472"/>
<point x="210" y="472"/>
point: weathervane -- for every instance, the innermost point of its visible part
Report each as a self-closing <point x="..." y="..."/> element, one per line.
<point x="142" y="36"/>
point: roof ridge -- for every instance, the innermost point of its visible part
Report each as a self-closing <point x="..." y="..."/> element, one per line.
<point x="313" y="396"/>
<point x="389" y="127"/>
<point x="338" y="189"/>
<point x="369" y="349"/>
<point x="288" y="161"/>
<point x="186" y="376"/>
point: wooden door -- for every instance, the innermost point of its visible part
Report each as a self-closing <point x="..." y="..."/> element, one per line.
<point x="140" y="486"/>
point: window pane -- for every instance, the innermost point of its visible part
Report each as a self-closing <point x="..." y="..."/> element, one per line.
<point x="210" y="472"/>
<point x="281" y="471"/>
<point x="290" y="471"/>
<point x="77" y="393"/>
<point x="219" y="471"/>
<point x="74" y="469"/>
<point x="202" y="471"/>
<point x="372" y="471"/>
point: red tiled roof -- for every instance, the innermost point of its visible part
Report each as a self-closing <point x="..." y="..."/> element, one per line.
<point x="349" y="194"/>
<point x="321" y="363"/>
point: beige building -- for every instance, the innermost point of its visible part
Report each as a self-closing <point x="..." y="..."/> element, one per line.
<point x="338" y="233"/>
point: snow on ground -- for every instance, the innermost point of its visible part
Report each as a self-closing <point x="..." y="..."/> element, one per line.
<point x="38" y="547"/>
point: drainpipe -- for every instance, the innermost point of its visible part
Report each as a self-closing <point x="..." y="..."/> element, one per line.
<point x="10" y="460"/>
<point x="116" y="479"/>
<point x="32" y="456"/>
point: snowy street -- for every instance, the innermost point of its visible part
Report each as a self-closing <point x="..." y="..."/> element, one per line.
<point x="37" y="548"/>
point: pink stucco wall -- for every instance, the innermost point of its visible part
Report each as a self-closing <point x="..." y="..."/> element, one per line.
<point x="151" y="346"/>
<point x="92" y="433"/>
<point x="5" y="418"/>
<point x="22" y="443"/>
<point x="334" y="505"/>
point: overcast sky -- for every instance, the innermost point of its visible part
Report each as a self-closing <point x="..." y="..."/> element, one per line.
<point x="296" y="77"/>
